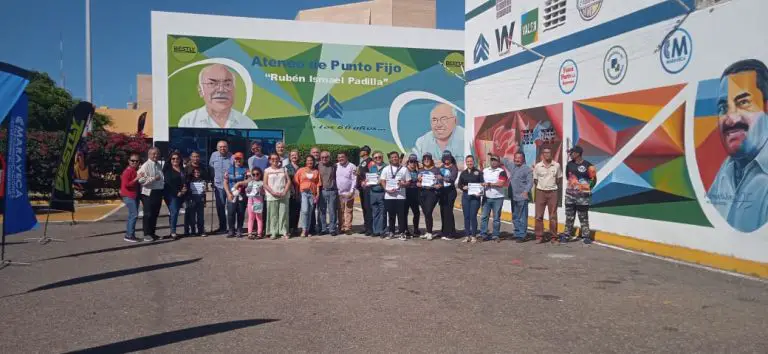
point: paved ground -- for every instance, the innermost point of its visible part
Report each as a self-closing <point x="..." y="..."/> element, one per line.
<point x="355" y="294"/>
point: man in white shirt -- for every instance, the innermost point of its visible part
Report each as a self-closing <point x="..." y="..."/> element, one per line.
<point x="547" y="175"/>
<point x="394" y="179"/>
<point x="152" y="185"/>
<point x="446" y="134"/>
<point x="495" y="181"/>
<point x="217" y="88"/>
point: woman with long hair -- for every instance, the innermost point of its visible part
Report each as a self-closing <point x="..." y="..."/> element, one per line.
<point x="450" y="172"/>
<point x="278" y="187"/>
<point x="129" y="191"/>
<point x="308" y="180"/>
<point x="175" y="189"/>
<point x="430" y="183"/>
<point x="470" y="203"/>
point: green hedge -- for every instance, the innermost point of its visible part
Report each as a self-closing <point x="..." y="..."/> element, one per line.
<point x="353" y="152"/>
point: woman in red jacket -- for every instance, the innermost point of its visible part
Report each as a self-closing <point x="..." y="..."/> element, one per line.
<point x="129" y="190"/>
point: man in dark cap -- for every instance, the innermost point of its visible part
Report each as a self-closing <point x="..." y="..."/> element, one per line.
<point x="362" y="169"/>
<point x="582" y="177"/>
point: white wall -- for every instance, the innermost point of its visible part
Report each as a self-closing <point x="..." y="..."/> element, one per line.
<point x="721" y="35"/>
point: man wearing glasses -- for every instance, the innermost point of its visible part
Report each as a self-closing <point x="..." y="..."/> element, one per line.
<point x="446" y="134"/>
<point x="217" y="88"/>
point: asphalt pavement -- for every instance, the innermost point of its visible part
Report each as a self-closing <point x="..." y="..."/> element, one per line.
<point x="352" y="294"/>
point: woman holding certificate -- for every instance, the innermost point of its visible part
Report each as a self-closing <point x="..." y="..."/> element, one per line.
<point x="471" y="184"/>
<point x="308" y="180"/>
<point x="429" y="184"/>
<point x="450" y="172"/>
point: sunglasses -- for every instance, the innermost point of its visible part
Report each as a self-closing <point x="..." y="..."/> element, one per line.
<point x="133" y="160"/>
<point x="378" y="157"/>
<point x="174" y="158"/>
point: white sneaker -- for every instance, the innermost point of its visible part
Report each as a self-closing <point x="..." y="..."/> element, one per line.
<point x="403" y="238"/>
<point x="447" y="238"/>
<point x="466" y="239"/>
<point x="428" y="236"/>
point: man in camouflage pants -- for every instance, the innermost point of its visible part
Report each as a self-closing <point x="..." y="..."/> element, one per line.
<point x="582" y="177"/>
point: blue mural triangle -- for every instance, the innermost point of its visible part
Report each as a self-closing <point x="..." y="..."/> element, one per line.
<point x="615" y="121"/>
<point x="622" y="182"/>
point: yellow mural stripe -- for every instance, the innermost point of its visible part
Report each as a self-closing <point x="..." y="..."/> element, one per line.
<point x="702" y="128"/>
<point x="718" y="261"/>
<point x="641" y="112"/>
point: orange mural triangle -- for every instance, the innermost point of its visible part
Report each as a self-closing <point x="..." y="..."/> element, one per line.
<point x="674" y="126"/>
<point x="642" y="112"/>
<point x="703" y="127"/>
<point x="653" y="97"/>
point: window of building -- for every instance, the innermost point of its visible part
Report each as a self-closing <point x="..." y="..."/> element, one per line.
<point x="554" y="14"/>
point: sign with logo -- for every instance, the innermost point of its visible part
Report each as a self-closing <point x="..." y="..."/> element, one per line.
<point x="677" y="51"/>
<point x="588" y="9"/>
<point x="328" y="106"/>
<point x="615" y="65"/>
<point x="316" y="93"/>
<point x="568" y="76"/>
<point x="530" y="27"/>
<point x="504" y="38"/>
<point x="503" y="8"/>
<point x="481" y="49"/>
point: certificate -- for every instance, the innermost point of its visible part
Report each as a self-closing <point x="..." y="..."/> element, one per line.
<point x="371" y="179"/>
<point x="475" y="189"/>
<point x="427" y="180"/>
<point x="392" y="184"/>
<point x="197" y="187"/>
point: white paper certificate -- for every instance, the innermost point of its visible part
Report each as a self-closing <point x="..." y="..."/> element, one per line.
<point x="371" y="179"/>
<point x="197" y="187"/>
<point x="427" y="180"/>
<point x="475" y="189"/>
<point x="392" y="184"/>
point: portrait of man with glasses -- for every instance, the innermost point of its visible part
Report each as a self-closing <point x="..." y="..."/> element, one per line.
<point x="446" y="134"/>
<point x="217" y="88"/>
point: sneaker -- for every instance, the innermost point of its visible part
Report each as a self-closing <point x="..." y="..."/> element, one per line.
<point x="203" y="235"/>
<point x="230" y="235"/>
<point x="389" y="236"/>
<point x="587" y="241"/>
<point x="403" y="237"/>
<point x="334" y="234"/>
<point x="446" y="238"/>
<point x="428" y="236"/>
<point x="273" y="237"/>
<point x="175" y="236"/>
<point x="130" y="239"/>
<point x="473" y="239"/>
<point x="149" y="238"/>
<point x="466" y="239"/>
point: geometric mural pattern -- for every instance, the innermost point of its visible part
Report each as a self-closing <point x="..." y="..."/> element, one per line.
<point x="652" y="181"/>
<point x="290" y="105"/>
<point x="710" y="152"/>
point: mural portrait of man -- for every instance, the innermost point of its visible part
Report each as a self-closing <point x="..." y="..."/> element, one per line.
<point x="740" y="189"/>
<point x="216" y="87"/>
<point x="446" y="134"/>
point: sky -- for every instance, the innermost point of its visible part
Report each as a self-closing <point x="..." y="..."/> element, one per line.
<point x="120" y="36"/>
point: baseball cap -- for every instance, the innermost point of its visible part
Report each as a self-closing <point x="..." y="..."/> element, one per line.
<point x="494" y="157"/>
<point x="366" y="148"/>
<point x="576" y="149"/>
<point x="427" y="155"/>
<point x="413" y="158"/>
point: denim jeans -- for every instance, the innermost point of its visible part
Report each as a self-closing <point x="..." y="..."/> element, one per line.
<point x="470" y="205"/>
<point x="133" y="214"/>
<point x="520" y="217"/>
<point x="221" y="207"/>
<point x="494" y="204"/>
<point x="174" y="206"/>
<point x="327" y="205"/>
<point x="307" y="205"/>
<point x="377" y="212"/>
<point x="236" y="215"/>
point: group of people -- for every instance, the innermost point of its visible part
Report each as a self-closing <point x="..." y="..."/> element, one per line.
<point x="283" y="195"/>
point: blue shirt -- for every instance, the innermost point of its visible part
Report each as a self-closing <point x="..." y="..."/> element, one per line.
<point x="428" y="143"/>
<point x="744" y="204"/>
<point x="260" y="162"/>
<point x="521" y="181"/>
<point x="220" y="165"/>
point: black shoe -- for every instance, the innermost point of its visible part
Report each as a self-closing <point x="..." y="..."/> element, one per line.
<point x="334" y="234"/>
<point x="368" y="233"/>
<point x="348" y="233"/>
<point x="230" y="235"/>
<point x="218" y="231"/>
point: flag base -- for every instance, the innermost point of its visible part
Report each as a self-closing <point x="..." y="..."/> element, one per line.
<point x="6" y="263"/>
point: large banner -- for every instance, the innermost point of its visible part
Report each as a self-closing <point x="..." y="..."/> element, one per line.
<point x="19" y="215"/>
<point x="63" y="194"/>
<point x="404" y="99"/>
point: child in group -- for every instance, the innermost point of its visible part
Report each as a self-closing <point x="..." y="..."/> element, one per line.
<point x="255" y="193"/>
<point x="195" y="210"/>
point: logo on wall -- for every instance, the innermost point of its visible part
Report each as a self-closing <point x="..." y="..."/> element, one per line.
<point x="328" y="106"/>
<point x="615" y="65"/>
<point x="588" y="9"/>
<point x="568" y="76"/>
<point x="530" y="27"/>
<point x="504" y="38"/>
<point x="184" y="49"/>
<point x="503" y="8"/>
<point x="481" y="49"/>
<point x="677" y="51"/>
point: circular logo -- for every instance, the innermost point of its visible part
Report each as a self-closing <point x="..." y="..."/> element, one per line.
<point x="677" y="51"/>
<point x="588" y="9"/>
<point x="582" y="169"/>
<point x="454" y="64"/>
<point x="477" y="173"/>
<point x="184" y="49"/>
<point x="615" y="65"/>
<point x="568" y="76"/>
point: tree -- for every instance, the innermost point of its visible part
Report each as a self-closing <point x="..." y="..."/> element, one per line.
<point x="50" y="106"/>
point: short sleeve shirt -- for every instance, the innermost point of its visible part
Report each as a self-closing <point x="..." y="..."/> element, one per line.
<point x="398" y="174"/>
<point x="547" y="176"/>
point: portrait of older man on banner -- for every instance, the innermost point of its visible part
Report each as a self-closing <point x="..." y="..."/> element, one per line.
<point x="446" y="134"/>
<point x="740" y="189"/>
<point x="217" y="88"/>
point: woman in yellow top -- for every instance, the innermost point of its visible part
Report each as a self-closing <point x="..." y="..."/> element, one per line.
<point x="308" y="180"/>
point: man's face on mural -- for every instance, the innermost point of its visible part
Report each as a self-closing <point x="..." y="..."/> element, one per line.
<point x="217" y="87"/>
<point x="443" y="121"/>
<point x="740" y="104"/>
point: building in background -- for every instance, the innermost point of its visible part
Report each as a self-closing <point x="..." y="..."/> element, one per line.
<point x="127" y="120"/>
<point x="401" y="13"/>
